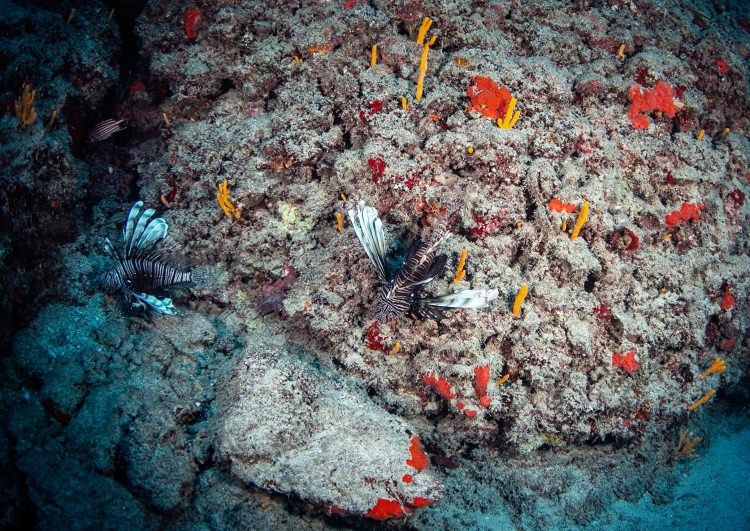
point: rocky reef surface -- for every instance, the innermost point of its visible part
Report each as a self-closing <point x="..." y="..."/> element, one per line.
<point x="274" y="399"/>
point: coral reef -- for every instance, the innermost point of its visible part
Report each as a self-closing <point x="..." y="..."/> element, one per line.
<point x="62" y="79"/>
<point x="600" y="152"/>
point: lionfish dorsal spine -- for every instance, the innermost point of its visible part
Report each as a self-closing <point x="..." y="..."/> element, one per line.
<point x="154" y="232"/>
<point x="369" y="230"/>
<point x="140" y="227"/>
<point x="127" y="233"/>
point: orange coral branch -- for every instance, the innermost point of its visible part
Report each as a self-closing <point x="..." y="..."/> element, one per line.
<point x="339" y="222"/>
<point x="583" y="216"/>
<point x="426" y="23"/>
<point x="460" y="273"/>
<point x="24" y="111"/>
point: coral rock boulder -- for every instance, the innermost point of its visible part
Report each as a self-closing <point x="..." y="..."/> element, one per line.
<point x="286" y="425"/>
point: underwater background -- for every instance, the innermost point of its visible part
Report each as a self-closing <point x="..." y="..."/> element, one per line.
<point x="366" y="263"/>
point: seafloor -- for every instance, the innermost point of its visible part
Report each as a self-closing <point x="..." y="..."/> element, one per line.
<point x="614" y="396"/>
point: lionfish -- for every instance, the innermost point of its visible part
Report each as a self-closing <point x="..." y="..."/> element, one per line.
<point x="148" y="265"/>
<point x="107" y="128"/>
<point x="400" y="291"/>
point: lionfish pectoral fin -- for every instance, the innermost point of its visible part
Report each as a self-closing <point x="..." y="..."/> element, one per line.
<point x="369" y="230"/>
<point x="162" y="306"/>
<point x="109" y="249"/>
<point x="154" y="232"/>
<point x="436" y="269"/>
<point x="427" y="311"/>
<point x="470" y="298"/>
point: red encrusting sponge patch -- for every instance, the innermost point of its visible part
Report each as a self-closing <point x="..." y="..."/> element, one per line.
<point x="686" y="212"/>
<point x="555" y="205"/>
<point x="481" y="379"/>
<point x="419" y="501"/>
<point x="660" y="98"/>
<point x="385" y="509"/>
<point x="727" y="301"/>
<point x="626" y="362"/>
<point x="419" y="459"/>
<point x="192" y="15"/>
<point x="440" y="385"/>
<point x="487" y="98"/>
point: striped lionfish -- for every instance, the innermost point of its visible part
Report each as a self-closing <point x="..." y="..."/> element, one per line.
<point x="107" y="128"/>
<point x="400" y="292"/>
<point x="148" y="265"/>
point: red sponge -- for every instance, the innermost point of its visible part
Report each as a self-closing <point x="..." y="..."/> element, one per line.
<point x="487" y="98"/>
<point x="660" y="98"/>
<point x="687" y="212"/>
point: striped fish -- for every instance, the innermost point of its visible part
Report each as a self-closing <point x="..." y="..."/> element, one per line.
<point x="400" y="293"/>
<point x="107" y="128"/>
<point x="146" y="267"/>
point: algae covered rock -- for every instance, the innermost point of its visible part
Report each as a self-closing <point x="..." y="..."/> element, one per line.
<point x="289" y="426"/>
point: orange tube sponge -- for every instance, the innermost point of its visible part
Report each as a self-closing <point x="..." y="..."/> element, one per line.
<point x="518" y="301"/>
<point x="702" y="400"/>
